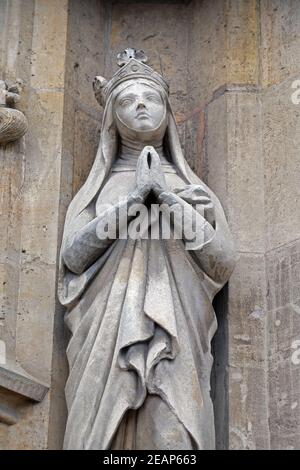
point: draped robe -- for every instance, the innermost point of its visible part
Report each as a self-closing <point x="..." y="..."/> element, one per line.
<point x="140" y="356"/>
<point x="141" y="316"/>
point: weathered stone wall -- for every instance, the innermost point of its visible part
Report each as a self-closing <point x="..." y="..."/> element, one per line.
<point x="33" y="48"/>
<point x="233" y="167"/>
<point x="231" y="64"/>
<point x="85" y="53"/>
<point x="280" y="40"/>
<point x="251" y="160"/>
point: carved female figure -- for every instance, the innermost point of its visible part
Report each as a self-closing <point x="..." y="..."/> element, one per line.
<point x="140" y="309"/>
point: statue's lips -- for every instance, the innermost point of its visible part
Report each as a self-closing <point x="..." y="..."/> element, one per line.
<point x="142" y="115"/>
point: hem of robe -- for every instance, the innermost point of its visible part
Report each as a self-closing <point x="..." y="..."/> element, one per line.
<point x="161" y="353"/>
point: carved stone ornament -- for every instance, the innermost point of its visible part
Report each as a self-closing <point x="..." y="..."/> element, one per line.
<point x="146" y="247"/>
<point x="17" y="386"/>
<point x="13" y="123"/>
<point x="132" y="65"/>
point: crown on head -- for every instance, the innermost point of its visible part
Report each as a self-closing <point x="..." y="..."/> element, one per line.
<point x="132" y="64"/>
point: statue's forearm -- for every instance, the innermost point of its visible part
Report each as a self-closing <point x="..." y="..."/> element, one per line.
<point x="210" y="247"/>
<point x="186" y="220"/>
<point x="86" y="245"/>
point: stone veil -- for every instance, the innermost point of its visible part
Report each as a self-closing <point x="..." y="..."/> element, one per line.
<point x="140" y="310"/>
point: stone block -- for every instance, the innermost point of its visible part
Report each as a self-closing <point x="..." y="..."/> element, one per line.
<point x="86" y="141"/>
<point x="280" y="40"/>
<point x="247" y="328"/>
<point x="283" y="272"/>
<point x="40" y="209"/>
<point x="223" y="41"/>
<point x="162" y="33"/>
<point x="284" y="386"/>
<point x="247" y="312"/>
<point x="281" y="143"/>
<point x="48" y="44"/>
<point x="242" y="40"/>
<point x="87" y="50"/>
<point x="248" y="415"/>
<point x="235" y="164"/>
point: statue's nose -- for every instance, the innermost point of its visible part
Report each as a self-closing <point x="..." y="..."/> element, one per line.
<point x="141" y="105"/>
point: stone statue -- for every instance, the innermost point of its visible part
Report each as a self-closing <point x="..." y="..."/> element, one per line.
<point x="140" y="309"/>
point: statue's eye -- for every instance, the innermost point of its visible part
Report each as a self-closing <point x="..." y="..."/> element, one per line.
<point x="126" y="101"/>
<point x="154" y="98"/>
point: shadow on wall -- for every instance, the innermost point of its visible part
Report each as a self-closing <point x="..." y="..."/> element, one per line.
<point x="219" y="375"/>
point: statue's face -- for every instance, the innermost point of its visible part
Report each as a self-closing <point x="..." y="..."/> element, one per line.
<point x="140" y="108"/>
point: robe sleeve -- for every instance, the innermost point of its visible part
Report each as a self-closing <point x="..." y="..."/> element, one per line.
<point x="216" y="256"/>
<point x="70" y="284"/>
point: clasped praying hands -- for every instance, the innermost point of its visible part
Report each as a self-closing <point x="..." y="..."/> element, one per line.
<point x="150" y="177"/>
<point x="149" y="173"/>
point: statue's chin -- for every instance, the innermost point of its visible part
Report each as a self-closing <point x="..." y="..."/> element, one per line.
<point x="144" y="126"/>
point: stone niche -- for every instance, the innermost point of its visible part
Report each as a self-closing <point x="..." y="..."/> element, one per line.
<point x="231" y="66"/>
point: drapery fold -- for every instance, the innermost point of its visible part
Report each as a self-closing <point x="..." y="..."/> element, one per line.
<point x="141" y="317"/>
<point x="142" y="327"/>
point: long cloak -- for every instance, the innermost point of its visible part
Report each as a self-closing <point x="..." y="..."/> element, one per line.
<point x="141" y="315"/>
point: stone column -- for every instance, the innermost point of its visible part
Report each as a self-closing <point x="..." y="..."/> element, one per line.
<point x="280" y="73"/>
<point x="229" y="151"/>
<point x="248" y="152"/>
<point x="33" y="49"/>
